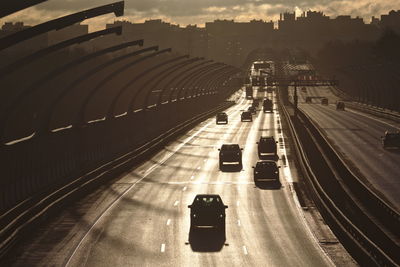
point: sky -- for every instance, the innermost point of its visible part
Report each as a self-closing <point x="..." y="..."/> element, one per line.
<point x="184" y="12"/>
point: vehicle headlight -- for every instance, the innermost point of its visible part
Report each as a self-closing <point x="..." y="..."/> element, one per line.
<point x="238" y="154"/>
<point x="276" y="172"/>
<point x="256" y="172"/>
<point x="194" y="215"/>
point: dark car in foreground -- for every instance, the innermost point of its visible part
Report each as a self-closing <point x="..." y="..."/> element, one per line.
<point x="391" y="139"/>
<point x="246" y="116"/>
<point x="267" y="147"/>
<point x="230" y="154"/>
<point x="266" y="171"/>
<point x="249" y="92"/>
<point x="267" y="105"/>
<point x="255" y="102"/>
<point x="340" y="105"/>
<point x="207" y="212"/>
<point x="221" y="117"/>
<point x="252" y="109"/>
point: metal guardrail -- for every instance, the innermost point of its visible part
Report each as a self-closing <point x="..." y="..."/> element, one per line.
<point x="362" y="247"/>
<point x="31" y="213"/>
<point x="366" y="252"/>
<point x="373" y="110"/>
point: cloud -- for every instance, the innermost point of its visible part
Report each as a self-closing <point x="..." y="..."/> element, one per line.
<point x="185" y="12"/>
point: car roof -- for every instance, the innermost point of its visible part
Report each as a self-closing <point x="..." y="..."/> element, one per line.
<point x="230" y="145"/>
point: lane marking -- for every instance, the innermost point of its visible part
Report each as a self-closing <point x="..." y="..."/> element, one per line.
<point x="184" y="189"/>
<point x="239" y="224"/>
<point x="245" y="250"/>
<point x="168" y="221"/>
<point x="148" y="171"/>
<point x="372" y="118"/>
<point x="191" y="178"/>
<point x="285" y="169"/>
<point x="176" y="203"/>
<point x="198" y="168"/>
<point x="162" y="248"/>
<point x="238" y="203"/>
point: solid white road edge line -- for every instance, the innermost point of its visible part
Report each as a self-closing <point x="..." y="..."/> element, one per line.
<point x="287" y="173"/>
<point x="151" y="169"/>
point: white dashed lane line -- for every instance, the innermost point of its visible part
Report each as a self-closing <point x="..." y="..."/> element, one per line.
<point x="176" y="203"/>
<point x="245" y="250"/>
<point x="168" y="221"/>
<point x="239" y="224"/>
<point x="184" y="189"/>
<point x="162" y="248"/>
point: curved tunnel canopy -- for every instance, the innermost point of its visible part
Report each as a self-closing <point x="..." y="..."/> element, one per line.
<point x="182" y="81"/>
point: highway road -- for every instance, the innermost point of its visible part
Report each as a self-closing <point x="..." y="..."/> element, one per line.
<point x="142" y="219"/>
<point x="356" y="136"/>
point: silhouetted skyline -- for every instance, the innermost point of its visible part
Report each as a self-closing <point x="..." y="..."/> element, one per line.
<point x="230" y="41"/>
<point x="199" y="12"/>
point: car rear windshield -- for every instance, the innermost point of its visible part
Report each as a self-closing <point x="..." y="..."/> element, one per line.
<point x="267" y="139"/>
<point x="392" y="135"/>
<point x="266" y="164"/>
<point x="207" y="201"/>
